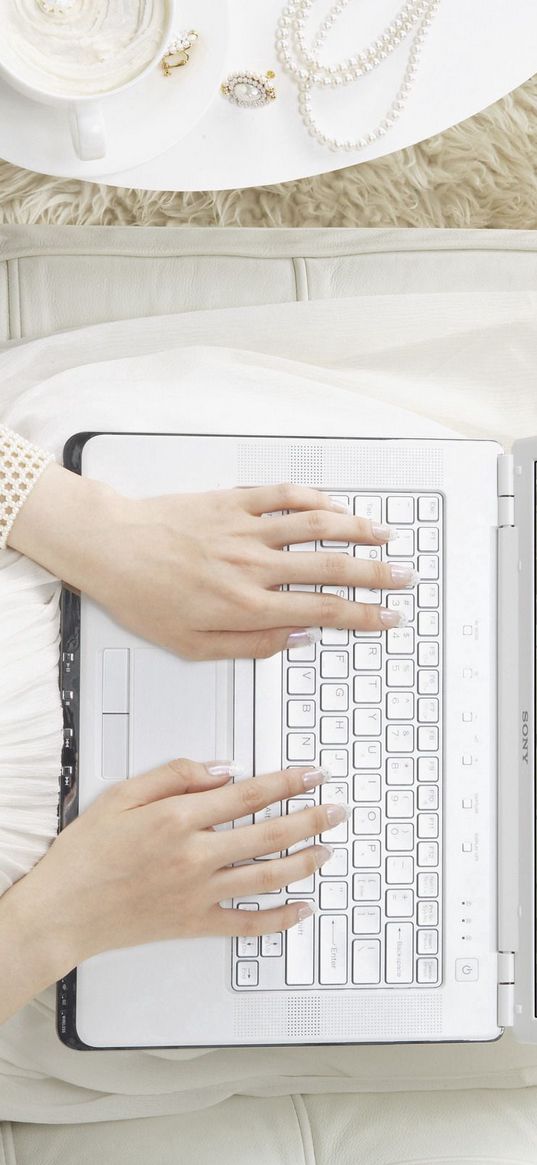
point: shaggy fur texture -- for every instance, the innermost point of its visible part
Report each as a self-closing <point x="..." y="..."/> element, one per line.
<point x="481" y="173"/>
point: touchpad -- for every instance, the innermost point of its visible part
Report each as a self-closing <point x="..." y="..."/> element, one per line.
<point x="179" y="709"/>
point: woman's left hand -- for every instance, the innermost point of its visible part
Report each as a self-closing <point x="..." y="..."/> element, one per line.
<point x="202" y="574"/>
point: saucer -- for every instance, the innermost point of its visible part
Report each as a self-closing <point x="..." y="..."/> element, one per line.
<point x="142" y="122"/>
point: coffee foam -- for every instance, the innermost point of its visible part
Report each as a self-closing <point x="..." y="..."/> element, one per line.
<point x="91" y="48"/>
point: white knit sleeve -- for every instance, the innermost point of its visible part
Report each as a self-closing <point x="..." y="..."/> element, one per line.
<point x="21" y="463"/>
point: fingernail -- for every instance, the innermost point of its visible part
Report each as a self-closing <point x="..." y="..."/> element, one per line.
<point x="225" y="769"/>
<point x="305" y="910"/>
<point x="385" y="533"/>
<point x="305" y="637"/>
<point x="337" y="813"/>
<point x="393" y="618"/>
<point x="325" y="853"/>
<point x="404" y="575"/>
<point x="316" y="777"/>
<point x="343" y="507"/>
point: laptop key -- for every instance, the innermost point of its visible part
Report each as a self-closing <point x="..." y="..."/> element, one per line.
<point x="366" y="962"/>
<point x="299" y="948"/>
<point x="399" y="952"/>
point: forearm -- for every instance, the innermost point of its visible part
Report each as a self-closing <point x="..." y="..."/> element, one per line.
<point x="33" y="952"/>
<point x="67" y="525"/>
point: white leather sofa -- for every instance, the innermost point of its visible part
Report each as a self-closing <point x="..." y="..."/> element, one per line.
<point x="56" y="278"/>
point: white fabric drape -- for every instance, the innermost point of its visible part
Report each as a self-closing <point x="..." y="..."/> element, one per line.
<point x="426" y="365"/>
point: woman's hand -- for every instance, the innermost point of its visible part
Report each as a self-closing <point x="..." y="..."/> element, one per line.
<point x="143" y="862"/>
<point x="201" y="573"/>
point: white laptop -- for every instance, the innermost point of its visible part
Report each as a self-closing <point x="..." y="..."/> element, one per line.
<point x="425" y="923"/>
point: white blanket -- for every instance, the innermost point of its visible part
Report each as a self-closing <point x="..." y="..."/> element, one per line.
<point x="428" y="365"/>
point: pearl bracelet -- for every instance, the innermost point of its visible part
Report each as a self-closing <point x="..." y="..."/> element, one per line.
<point x="21" y="464"/>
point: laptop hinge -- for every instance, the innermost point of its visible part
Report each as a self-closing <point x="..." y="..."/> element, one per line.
<point x="506" y="475"/>
<point x="507" y="713"/>
<point x="506" y="988"/>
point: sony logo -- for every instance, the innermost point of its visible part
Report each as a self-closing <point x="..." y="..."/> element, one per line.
<point x="525" y="736"/>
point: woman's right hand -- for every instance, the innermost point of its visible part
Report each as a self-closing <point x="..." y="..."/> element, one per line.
<point x="143" y="862"/>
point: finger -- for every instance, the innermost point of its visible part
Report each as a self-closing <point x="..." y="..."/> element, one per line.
<point x="319" y="525"/>
<point x="342" y="570"/>
<point x="265" y="877"/>
<point x="251" y="922"/>
<point x="324" y="609"/>
<point x="250" y="796"/>
<point x="176" y="778"/>
<point x="252" y="644"/>
<point x="269" y="499"/>
<point x="276" y="835"/>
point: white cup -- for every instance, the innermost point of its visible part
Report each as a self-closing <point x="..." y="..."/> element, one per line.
<point x="85" y="111"/>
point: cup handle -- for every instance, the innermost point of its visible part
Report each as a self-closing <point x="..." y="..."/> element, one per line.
<point x="87" y="131"/>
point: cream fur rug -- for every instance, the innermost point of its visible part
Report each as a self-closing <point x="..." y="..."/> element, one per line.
<point x="481" y="173"/>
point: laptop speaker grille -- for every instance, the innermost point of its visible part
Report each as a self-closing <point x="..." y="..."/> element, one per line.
<point x="393" y="1016"/>
<point x="373" y="464"/>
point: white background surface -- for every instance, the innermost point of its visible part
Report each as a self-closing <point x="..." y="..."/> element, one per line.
<point x="475" y="53"/>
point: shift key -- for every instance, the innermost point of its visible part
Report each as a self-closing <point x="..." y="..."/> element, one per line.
<point x="299" y="952"/>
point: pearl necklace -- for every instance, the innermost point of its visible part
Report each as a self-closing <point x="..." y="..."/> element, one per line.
<point x="309" y="72"/>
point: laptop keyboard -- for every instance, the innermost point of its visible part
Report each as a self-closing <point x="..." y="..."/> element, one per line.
<point x="367" y="706"/>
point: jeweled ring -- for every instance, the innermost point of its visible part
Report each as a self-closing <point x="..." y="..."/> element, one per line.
<point x="177" y="54"/>
<point x="249" y="90"/>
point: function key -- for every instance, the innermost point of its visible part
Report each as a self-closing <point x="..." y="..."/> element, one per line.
<point x="428" y="594"/>
<point x="428" y="509"/>
<point x="428" y="623"/>
<point x="428" y="539"/>
<point x="428" y="654"/>
<point x="428" y="768"/>
<point x="428" y="682"/>
<point x="428" y="797"/>
<point x="428" y="565"/>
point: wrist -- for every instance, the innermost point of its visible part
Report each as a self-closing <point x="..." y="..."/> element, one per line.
<point x="67" y="525"/>
<point x="34" y="953"/>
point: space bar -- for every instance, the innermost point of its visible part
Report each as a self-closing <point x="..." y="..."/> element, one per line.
<point x="299" y="953"/>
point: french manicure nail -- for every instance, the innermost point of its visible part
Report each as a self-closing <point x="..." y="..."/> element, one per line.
<point x="393" y="618"/>
<point x="305" y="911"/>
<point x="316" y="777"/>
<point x="335" y="814"/>
<point x="305" y="637"/>
<point x="328" y="853"/>
<point x="226" y="769"/>
<point x="386" y="533"/>
<point x="341" y="506"/>
<point x="404" y="575"/>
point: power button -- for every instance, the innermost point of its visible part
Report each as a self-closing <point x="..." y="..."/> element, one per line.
<point x="466" y="970"/>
